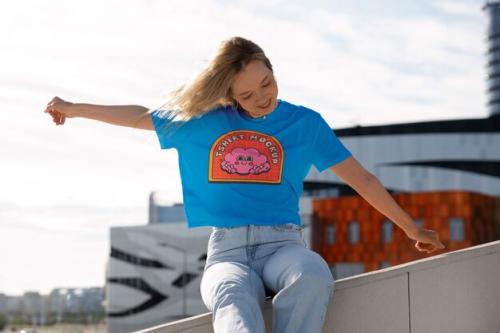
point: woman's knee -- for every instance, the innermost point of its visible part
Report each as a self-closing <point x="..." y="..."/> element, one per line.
<point x="294" y="265"/>
<point x="318" y="278"/>
<point x="317" y="274"/>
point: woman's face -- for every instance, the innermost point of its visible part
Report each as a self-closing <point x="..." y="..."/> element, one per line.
<point x="255" y="89"/>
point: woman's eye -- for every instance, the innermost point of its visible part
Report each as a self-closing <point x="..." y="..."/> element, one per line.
<point x="265" y="85"/>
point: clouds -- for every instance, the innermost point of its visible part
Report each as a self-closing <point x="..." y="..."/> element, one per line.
<point x="356" y="62"/>
<point x="460" y="9"/>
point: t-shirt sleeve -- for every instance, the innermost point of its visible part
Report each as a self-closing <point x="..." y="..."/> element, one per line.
<point x="170" y="132"/>
<point x="327" y="150"/>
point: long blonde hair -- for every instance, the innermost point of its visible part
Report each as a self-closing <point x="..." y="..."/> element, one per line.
<point x="212" y="86"/>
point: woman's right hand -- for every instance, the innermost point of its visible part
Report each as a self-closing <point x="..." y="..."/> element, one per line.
<point x="427" y="240"/>
<point x="59" y="109"/>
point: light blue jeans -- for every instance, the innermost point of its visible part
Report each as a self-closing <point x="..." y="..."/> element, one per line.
<point x="243" y="261"/>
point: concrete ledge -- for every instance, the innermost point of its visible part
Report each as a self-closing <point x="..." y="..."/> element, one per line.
<point x="453" y="292"/>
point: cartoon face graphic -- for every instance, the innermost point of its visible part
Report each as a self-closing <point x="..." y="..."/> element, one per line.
<point x="244" y="161"/>
<point x="246" y="156"/>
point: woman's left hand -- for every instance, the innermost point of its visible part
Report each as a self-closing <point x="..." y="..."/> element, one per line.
<point x="427" y="240"/>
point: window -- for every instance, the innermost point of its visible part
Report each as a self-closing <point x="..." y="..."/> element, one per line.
<point x="354" y="232"/>
<point x="387" y="231"/>
<point x="330" y="234"/>
<point x="456" y="229"/>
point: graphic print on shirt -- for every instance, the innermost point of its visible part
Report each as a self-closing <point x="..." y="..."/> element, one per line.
<point x="246" y="156"/>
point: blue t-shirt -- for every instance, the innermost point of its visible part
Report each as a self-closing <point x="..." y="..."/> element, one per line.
<point x="238" y="170"/>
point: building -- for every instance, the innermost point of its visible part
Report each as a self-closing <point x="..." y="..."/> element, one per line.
<point x="153" y="274"/>
<point x="81" y="305"/>
<point x="163" y="211"/>
<point x="451" y="163"/>
<point x="34" y="308"/>
<point x="353" y="237"/>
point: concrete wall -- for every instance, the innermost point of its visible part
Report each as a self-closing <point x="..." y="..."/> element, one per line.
<point x="456" y="292"/>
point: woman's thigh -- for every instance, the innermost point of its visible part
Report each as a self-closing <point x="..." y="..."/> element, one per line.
<point x="231" y="279"/>
<point x="292" y="261"/>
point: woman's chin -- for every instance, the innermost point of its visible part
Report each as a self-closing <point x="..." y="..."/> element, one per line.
<point x="259" y="112"/>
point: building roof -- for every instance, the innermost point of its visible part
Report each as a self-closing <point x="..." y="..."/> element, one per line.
<point x="471" y="125"/>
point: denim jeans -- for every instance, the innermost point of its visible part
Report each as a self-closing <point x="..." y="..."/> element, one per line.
<point x="243" y="261"/>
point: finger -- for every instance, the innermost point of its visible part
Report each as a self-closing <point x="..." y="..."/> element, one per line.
<point x="423" y="247"/>
<point x="419" y="247"/>
<point x="436" y="242"/>
<point x="431" y="248"/>
<point x="53" y="114"/>
<point x="426" y="250"/>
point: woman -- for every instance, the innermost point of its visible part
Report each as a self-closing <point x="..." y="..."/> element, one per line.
<point x="243" y="156"/>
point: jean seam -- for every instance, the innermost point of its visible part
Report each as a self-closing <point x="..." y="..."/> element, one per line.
<point x="288" y="227"/>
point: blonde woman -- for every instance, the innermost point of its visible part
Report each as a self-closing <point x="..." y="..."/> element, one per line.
<point x="243" y="156"/>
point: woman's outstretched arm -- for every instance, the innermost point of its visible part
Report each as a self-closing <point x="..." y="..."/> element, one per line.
<point x="134" y="116"/>
<point x="372" y="190"/>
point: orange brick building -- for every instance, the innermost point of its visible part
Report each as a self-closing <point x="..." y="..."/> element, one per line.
<point x="347" y="229"/>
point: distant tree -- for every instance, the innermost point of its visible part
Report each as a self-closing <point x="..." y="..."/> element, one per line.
<point x="3" y="322"/>
<point x="18" y="319"/>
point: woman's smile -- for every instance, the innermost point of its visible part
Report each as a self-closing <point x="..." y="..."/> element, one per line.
<point x="265" y="105"/>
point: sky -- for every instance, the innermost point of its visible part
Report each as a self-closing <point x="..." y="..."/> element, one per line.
<point x="63" y="187"/>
